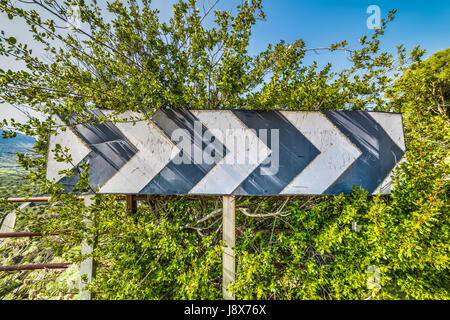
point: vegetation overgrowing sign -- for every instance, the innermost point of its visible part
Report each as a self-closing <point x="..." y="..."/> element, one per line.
<point x="230" y="152"/>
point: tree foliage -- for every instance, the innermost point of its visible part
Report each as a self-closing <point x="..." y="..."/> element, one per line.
<point x="123" y="57"/>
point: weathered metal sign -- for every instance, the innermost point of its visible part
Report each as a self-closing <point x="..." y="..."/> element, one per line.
<point x="233" y="152"/>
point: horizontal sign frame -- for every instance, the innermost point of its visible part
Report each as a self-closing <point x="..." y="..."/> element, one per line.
<point x="232" y="152"/>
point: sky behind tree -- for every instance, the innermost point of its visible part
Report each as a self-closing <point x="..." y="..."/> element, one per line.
<point x="319" y="23"/>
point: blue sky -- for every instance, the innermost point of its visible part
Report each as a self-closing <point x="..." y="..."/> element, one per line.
<point x="322" y="22"/>
<point x="319" y="23"/>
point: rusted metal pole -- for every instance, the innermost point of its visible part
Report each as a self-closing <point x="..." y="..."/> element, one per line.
<point x="120" y="198"/>
<point x="34" y="199"/>
<point x="161" y="197"/>
<point x="38" y="266"/>
<point x="35" y="266"/>
<point x="24" y="234"/>
<point x="131" y="202"/>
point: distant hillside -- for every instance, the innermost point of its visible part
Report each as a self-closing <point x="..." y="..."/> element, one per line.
<point x="21" y="143"/>
<point x="9" y="147"/>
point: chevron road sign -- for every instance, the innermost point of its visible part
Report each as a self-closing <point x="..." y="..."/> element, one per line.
<point x="232" y="152"/>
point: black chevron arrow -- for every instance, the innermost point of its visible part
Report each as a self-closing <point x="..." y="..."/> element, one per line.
<point x="295" y="153"/>
<point x="110" y="150"/>
<point x="179" y="178"/>
<point x="379" y="153"/>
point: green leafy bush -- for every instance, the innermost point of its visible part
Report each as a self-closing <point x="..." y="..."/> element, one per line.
<point x="344" y="247"/>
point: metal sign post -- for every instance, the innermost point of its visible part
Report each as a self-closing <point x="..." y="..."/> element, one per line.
<point x="87" y="266"/>
<point x="229" y="238"/>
